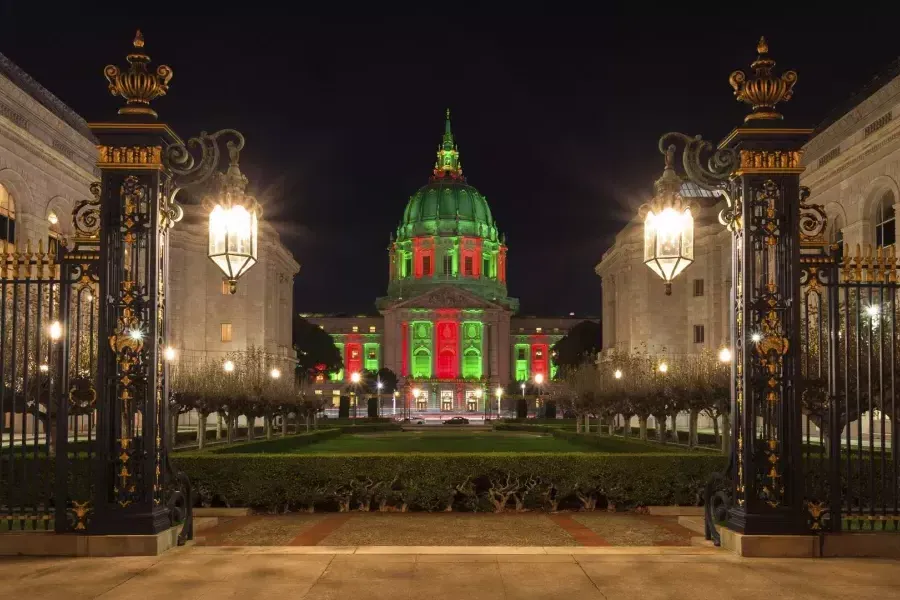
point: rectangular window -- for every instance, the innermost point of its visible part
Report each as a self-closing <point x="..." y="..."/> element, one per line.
<point x="698" y="287"/>
<point x="226" y="332"/>
<point x="538" y="329"/>
<point x="699" y="334"/>
<point x="371" y="329"/>
<point x="468" y="266"/>
<point x="521" y="354"/>
<point x="426" y="265"/>
<point x="356" y="329"/>
<point x="486" y="267"/>
<point x="448" y="265"/>
<point x="372" y="354"/>
<point x="407" y="263"/>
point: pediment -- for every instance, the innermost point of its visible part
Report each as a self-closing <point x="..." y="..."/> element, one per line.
<point x="447" y="297"/>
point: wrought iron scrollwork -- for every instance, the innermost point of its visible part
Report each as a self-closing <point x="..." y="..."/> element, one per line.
<point x="190" y="170"/>
<point x="717" y="499"/>
<point x="86" y="214"/>
<point x="813" y="220"/>
<point x="180" y="502"/>
<point x="721" y="163"/>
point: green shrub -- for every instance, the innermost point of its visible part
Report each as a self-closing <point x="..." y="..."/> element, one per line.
<point x="436" y="481"/>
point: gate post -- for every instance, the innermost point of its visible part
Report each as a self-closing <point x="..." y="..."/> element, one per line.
<point x="136" y="212"/>
<point x="767" y="379"/>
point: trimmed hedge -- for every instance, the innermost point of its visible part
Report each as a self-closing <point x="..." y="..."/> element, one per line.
<point x="279" y="445"/>
<point x="441" y="481"/>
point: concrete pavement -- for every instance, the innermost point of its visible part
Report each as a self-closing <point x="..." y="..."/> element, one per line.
<point x="363" y="573"/>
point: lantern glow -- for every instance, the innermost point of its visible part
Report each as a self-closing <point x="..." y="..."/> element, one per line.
<point x="668" y="227"/>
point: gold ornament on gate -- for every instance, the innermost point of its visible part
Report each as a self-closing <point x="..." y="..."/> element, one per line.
<point x="138" y="85"/>
<point x="763" y="90"/>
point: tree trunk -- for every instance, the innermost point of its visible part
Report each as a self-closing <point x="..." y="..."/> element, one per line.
<point x="269" y="426"/>
<point x="715" y="422"/>
<point x="577" y="423"/>
<point x="626" y="425"/>
<point x="674" y="426"/>
<point x="642" y="423"/>
<point x="587" y="423"/>
<point x="661" y="429"/>
<point x="284" y="419"/>
<point x="218" y="427"/>
<point x="229" y="429"/>
<point x="251" y="425"/>
<point x="726" y="433"/>
<point x="693" y="440"/>
<point x="173" y="429"/>
<point x="201" y="429"/>
<point x="307" y="419"/>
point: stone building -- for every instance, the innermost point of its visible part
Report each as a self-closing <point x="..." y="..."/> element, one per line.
<point x="852" y="168"/>
<point x="48" y="158"/>
<point x="447" y="326"/>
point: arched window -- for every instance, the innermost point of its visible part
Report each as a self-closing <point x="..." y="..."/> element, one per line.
<point x="885" y="229"/>
<point x="7" y="216"/>
<point x="837" y="232"/>
<point x="54" y="233"/>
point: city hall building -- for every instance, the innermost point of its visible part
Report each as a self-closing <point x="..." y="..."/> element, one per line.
<point x="447" y="326"/>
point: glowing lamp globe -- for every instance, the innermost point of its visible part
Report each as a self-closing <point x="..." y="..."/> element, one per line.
<point x="233" y="235"/>
<point x="669" y="243"/>
<point x="668" y="227"/>
<point x="233" y="223"/>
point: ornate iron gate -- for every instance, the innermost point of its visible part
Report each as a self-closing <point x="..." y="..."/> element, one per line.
<point x="48" y="380"/>
<point x="850" y="353"/>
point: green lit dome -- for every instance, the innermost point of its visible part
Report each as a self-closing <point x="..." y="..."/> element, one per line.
<point x="447" y="205"/>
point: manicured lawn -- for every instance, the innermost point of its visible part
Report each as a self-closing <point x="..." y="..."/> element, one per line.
<point x="460" y="441"/>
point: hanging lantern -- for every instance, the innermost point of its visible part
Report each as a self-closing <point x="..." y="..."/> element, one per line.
<point x="668" y="227"/>
<point x="233" y="222"/>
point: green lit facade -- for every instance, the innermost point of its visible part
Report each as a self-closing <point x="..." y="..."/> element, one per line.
<point x="447" y="326"/>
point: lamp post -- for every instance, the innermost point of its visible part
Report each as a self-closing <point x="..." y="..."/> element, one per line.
<point x="756" y="170"/>
<point x="354" y="384"/>
<point x="539" y="382"/>
<point x="499" y="393"/>
<point x="143" y="164"/>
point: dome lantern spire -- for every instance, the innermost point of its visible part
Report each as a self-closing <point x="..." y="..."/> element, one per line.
<point x="447" y="164"/>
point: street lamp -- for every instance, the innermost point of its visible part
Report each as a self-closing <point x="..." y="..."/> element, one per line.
<point x="663" y="368"/>
<point x="169" y="354"/>
<point x="523" y="389"/>
<point x="275" y="373"/>
<point x="668" y="226"/>
<point x="618" y="374"/>
<point x="233" y="220"/>
<point x="725" y="355"/>
<point x="55" y="331"/>
<point x="228" y="366"/>
<point x="539" y="378"/>
<point x="499" y="393"/>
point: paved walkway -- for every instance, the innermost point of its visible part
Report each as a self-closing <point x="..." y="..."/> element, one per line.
<point x="472" y="573"/>
<point x="443" y="529"/>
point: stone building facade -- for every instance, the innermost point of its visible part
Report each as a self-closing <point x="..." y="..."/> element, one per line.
<point x="447" y="326"/>
<point x="852" y="168"/>
<point x="48" y="159"/>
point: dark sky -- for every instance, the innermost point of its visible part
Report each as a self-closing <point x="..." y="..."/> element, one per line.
<point x="557" y="119"/>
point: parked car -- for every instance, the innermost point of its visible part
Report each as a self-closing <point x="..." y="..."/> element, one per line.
<point x="457" y="421"/>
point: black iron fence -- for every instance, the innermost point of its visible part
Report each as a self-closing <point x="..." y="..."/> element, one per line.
<point x="850" y="355"/>
<point x="48" y="367"/>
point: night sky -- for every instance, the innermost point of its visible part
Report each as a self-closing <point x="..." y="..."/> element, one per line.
<point x="557" y="119"/>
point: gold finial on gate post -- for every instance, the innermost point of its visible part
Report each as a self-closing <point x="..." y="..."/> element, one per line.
<point x="138" y="85"/>
<point x="763" y="90"/>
